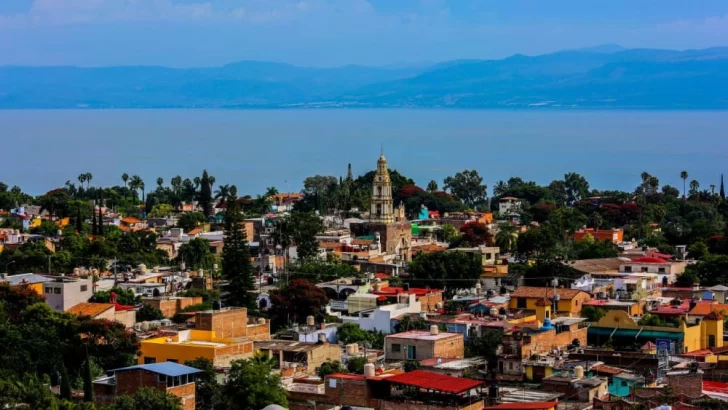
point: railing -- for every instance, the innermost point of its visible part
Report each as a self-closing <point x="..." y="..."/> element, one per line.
<point x="339" y="304"/>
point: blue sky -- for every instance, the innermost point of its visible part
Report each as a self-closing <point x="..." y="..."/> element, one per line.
<point x="337" y="32"/>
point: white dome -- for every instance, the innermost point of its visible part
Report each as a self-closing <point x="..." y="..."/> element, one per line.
<point x="273" y="407"/>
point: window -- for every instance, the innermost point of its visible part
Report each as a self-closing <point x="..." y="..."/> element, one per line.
<point x="624" y="383"/>
<point x="150" y="360"/>
<point x="628" y="269"/>
<point x="57" y="291"/>
<point x="510" y="365"/>
<point x="84" y="288"/>
<point x="411" y="352"/>
<point x="711" y="341"/>
<point x="162" y="378"/>
<point x="48" y="290"/>
<point x="396" y="347"/>
<point x="521" y="303"/>
<point x="644" y="269"/>
<point x="661" y="270"/>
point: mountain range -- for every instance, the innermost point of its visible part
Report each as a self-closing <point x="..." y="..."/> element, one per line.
<point x="606" y="76"/>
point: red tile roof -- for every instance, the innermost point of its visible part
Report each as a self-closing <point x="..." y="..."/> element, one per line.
<point x="716" y="387"/>
<point x="703" y="308"/>
<point x="131" y="220"/>
<point x="604" y="369"/>
<point x="648" y="259"/>
<point x="395" y="290"/>
<point x="90" y="309"/>
<point x="347" y="376"/>
<point x="536" y="405"/>
<point x="435" y="381"/>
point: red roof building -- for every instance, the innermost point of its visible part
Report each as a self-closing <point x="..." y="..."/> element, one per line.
<point x="536" y="405"/>
<point x="435" y="381"/>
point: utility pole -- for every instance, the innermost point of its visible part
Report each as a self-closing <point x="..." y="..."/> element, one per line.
<point x="49" y="264"/>
<point x="116" y="262"/>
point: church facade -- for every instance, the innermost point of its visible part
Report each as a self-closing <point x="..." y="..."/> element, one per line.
<point x="385" y="222"/>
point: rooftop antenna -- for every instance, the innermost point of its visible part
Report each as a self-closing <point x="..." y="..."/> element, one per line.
<point x="382" y="148"/>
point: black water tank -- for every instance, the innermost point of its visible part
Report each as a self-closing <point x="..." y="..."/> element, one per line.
<point x="405" y="286"/>
<point x="493" y="391"/>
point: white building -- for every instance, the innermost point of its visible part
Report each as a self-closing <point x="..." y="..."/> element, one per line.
<point x="63" y="293"/>
<point x="509" y="205"/>
<point x="380" y="319"/>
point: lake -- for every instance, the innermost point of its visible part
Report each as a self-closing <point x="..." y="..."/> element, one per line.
<point x="254" y="149"/>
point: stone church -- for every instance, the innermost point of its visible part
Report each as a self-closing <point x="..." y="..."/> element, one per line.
<point x="390" y="225"/>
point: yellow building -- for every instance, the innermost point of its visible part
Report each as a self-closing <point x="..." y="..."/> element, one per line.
<point x="616" y="325"/>
<point x="570" y="300"/>
<point x="191" y="344"/>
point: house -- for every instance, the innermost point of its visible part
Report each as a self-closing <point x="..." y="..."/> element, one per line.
<point x="63" y="292"/>
<point x="388" y="390"/>
<point x="31" y="280"/>
<point x="420" y="345"/>
<point x="618" y="327"/>
<point x="131" y="224"/>
<point x="173" y="378"/>
<point x="380" y="318"/>
<point x="570" y="301"/>
<point x="508" y="206"/>
<point x="107" y="311"/>
<point x="308" y="333"/>
<point x="577" y="387"/>
<point x="220" y="336"/>
<point x="719" y="293"/>
<point x="666" y="270"/>
<point x="633" y="308"/>
<point x="454" y="367"/>
<point x="622" y="384"/>
<point x="296" y="358"/>
<point x="600" y="235"/>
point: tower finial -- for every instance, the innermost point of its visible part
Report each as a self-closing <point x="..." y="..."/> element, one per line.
<point x="382" y="149"/>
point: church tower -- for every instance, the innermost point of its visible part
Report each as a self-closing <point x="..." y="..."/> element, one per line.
<point x="382" y="209"/>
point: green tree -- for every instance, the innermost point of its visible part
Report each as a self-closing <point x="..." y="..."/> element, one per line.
<point x="297" y="300"/>
<point x="196" y="254"/>
<point x="304" y="228"/>
<point x="506" y="238"/>
<point x="432" y="186"/>
<point x="593" y="314"/>
<point x="205" y="198"/>
<point x="191" y="220"/>
<point x="445" y="270"/>
<point x="412" y="365"/>
<point x="146" y="398"/>
<point x="684" y="177"/>
<point x="206" y="386"/>
<point x="356" y="364"/>
<point x="351" y="333"/>
<point x="468" y="187"/>
<point x="694" y="189"/>
<point x="161" y="210"/>
<point x="252" y="385"/>
<point x="698" y="250"/>
<point x="329" y="367"/>
<point x="148" y="313"/>
<point x="577" y="187"/>
<point x="237" y="269"/>
<point x="449" y="233"/>
<point x="485" y="346"/>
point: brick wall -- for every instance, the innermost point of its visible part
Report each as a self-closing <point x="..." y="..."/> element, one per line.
<point x="690" y="384"/>
<point x="187" y="393"/>
<point x="259" y="331"/>
<point x="350" y="392"/>
<point x="225" y="355"/>
<point x="545" y="341"/>
<point x="429" y="301"/>
<point x="450" y="347"/>
<point x="226" y="324"/>
<point x="128" y="382"/>
<point x="321" y="354"/>
<point x="169" y="306"/>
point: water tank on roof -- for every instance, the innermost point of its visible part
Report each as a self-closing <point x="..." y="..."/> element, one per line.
<point x="369" y="370"/>
<point x="434" y="330"/>
<point x="547" y="324"/>
<point x="494" y="312"/>
<point x="579" y="372"/>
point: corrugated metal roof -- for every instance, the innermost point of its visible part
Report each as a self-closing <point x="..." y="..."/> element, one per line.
<point x="435" y="381"/>
<point x="170" y="369"/>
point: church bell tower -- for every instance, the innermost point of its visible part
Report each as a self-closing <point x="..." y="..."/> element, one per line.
<point x="382" y="209"/>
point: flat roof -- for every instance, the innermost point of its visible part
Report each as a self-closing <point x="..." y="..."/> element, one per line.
<point x="536" y="405"/>
<point x="421" y="335"/>
<point x="285" y="345"/>
<point x="435" y="381"/>
<point x="170" y="369"/>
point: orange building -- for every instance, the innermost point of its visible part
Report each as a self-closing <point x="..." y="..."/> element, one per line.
<point x="601" y="235"/>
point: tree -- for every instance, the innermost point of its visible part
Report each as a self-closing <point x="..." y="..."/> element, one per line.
<point x="412" y="365"/>
<point x="329" y="367"/>
<point x="722" y="188"/>
<point x="593" y="314"/>
<point x="271" y="191"/>
<point x="162" y="210"/>
<point x="432" y="186"/>
<point x="684" y="177"/>
<point x="468" y="187"/>
<point x="299" y="299"/>
<point x="351" y="333"/>
<point x="206" y="385"/>
<point x="196" y="254"/>
<point x="506" y="238"/>
<point x="223" y="193"/>
<point x="191" y="220"/>
<point x="687" y="280"/>
<point x="304" y="228"/>
<point x="237" y="269"/>
<point x="694" y="187"/>
<point x="148" y="313"/>
<point x="356" y="364"/>
<point x="576" y="186"/>
<point x="147" y="398"/>
<point x="407" y="323"/>
<point x="88" y="387"/>
<point x="252" y="385"/>
<point x="205" y="194"/>
<point x="485" y="346"/>
<point x="475" y="234"/>
<point x="444" y="270"/>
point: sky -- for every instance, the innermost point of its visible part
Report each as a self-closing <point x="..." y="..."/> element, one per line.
<point x="184" y="33"/>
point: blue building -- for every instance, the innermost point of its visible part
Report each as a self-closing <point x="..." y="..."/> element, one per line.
<point x="622" y="384"/>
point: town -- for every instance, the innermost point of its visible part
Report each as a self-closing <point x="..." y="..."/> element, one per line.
<point x="364" y="292"/>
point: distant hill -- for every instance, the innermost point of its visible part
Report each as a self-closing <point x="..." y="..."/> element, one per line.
<point x="606" y="76"/>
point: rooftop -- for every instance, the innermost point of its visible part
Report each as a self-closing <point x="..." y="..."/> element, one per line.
<point x="603" y="265"/>
<point x="169" y="369"/>
<point x="435" y="381"/>
<point x="285" y="345"/>
<point x="536" y="405"/>
<point x="25" y="278"/>
<point x="422" y="335"/>
<point x="536" y="292"/>
<point x="90" y="309"/>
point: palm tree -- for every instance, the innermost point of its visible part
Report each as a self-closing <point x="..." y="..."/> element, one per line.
<point x="82" y="179"/>
<point x="223" y="193"/>
<point x="506" y="238"/>
<point x="212" y="180"/>
<point x="271" y="191"/>
<point x="197" y="181"/>
<point x="176" y="183"/>
<point x="125" y="178"/>
<point x="712" y="189"/>
<point x="499" y="188"/>
<point x="160" y="182"/>
<point x="135" y="183"/>
<point x="89" y="177"/>
<point x="684" y="176"/>
<point x="694" y="186"/>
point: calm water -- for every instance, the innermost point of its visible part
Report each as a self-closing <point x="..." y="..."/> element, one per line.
<point x="40" y="150"/>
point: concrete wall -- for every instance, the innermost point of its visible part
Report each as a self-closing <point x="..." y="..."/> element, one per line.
<point x="226" y="324"/>
<point x="62" y="296"/>
<point x="170" y="306"/>
<point x="125" y="317"/>
<point x="447" y="347"/>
